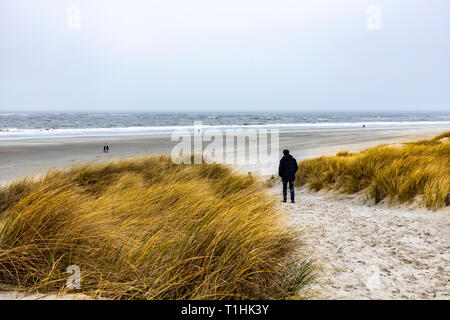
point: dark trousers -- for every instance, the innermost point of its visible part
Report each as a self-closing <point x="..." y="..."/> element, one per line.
<point x="291" y="189"/>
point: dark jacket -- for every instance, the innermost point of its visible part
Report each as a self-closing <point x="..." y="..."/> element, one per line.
<point x="288" y="168"/>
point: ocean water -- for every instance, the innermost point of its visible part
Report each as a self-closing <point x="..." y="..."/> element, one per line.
<point x="41" y="125"/>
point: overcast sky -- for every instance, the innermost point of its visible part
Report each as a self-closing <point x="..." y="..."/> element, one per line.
<point x="211" y="55"/>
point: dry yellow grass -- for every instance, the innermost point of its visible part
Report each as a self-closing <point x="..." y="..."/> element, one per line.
<point x="412" y="170"/>
<point x="148" y="229"/>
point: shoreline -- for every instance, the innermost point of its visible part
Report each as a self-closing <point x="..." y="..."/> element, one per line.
<point x="23" y="157"/>
<point x="63" y="133"/>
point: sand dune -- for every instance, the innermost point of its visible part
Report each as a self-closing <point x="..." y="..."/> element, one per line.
<point x="366" y="251"/>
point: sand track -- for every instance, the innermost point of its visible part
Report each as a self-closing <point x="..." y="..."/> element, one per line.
<point x="374" y="252"/>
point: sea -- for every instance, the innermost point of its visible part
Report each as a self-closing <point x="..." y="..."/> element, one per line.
<point x="55" y="124"/>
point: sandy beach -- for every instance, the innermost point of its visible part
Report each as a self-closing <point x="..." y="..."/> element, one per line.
<point x="366" y="251"/>
<point x="36" y="156"/>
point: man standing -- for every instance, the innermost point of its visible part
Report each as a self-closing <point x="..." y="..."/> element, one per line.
<point x="288" y="168"/>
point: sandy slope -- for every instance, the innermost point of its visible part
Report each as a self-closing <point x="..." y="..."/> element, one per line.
<point x="8" y="295"/>
<point x="375" y="252"/>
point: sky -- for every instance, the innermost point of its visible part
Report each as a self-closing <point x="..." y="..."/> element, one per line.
<point x="225" y="55"/>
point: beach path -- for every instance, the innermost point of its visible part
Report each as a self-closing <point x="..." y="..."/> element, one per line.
<point x="374" y="252"/>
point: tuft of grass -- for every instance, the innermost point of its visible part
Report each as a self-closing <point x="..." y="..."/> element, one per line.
<point x="412" y="170"/>
<point x="149" y="229"/>
<point x="344" y="154"/>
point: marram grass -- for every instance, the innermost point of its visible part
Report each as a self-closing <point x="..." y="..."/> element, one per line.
<point x="418" y="170"/>
<point x="148" y="229"/>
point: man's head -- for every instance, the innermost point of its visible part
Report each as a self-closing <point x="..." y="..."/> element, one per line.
<point x="285" y="152"/>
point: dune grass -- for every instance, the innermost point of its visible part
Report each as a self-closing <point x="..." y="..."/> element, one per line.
<point x="148" y="229"/>
<point x="418" y="170"/>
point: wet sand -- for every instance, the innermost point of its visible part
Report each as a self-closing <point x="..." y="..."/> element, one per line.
<point x="373" y="252"/>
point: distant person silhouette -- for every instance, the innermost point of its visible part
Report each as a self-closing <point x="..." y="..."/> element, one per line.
<point x="107" y="148"/>
<point x="287" y="169"/>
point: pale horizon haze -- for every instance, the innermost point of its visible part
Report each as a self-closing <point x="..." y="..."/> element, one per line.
<point x="217" y="55"/>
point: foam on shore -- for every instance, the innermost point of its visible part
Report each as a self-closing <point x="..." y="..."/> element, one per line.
<point x="15" y="133"/>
